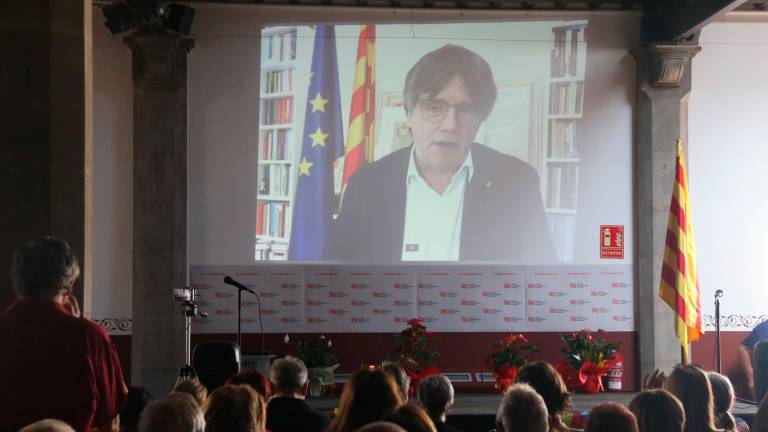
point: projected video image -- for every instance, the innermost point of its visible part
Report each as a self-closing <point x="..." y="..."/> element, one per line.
<point x="433" y="142"/>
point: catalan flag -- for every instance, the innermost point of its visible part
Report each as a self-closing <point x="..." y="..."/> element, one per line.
<point x="360" y="139"/>
<point x="679" y="286"/>
<point x="322" y="144"/>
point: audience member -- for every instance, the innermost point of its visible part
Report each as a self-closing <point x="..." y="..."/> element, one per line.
<point x="366" y="398"/>
<point x="287" y="411"/>
<point x="137" y="400"/>
<point x="610" y="417"/>
<point x="253" y="378"/>
<point x="193" y="387"/>
<point x="398" y="374"/>
<point x="54" y="348"/>
<point x="658" y="411"/>
<point x="522" y="410"/>
<point x="550" y="385"/>
<point x="411" y="418"/>
<point x="48" y="425"/>
<point x="235" y="408"/>
<point x="723" y="398"/>
<point x="760" y="422"/>
<point x="690" y="385"/>
<point x="175" y="412"/>
<point x="381" y="426"/>
<point x="436" y="396"/>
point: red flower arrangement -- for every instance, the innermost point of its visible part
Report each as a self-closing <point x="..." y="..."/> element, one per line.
<point x="587" y="359"/>
<point x="507" y="358"/>
<point x="413" y="352"/>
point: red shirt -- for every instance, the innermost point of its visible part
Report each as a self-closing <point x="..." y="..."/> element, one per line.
<point x="53" y="365"/>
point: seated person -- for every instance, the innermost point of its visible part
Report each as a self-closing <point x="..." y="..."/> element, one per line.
<point x="253" y="378"/>
<point x="522" y="410"/>
<point x="54" y="348"/>
<point x="611" y="417"/>
<point x="411" y="418"/>
<point x="436" y="396"/>
<point x="550" y="385"/>
<point x="235" y="408"/>
<point x="746" y="351"/>
<point x="287" y="411"/>
<point x="193" y="387"/>
<point x="137" y="400"/>
<point x="398" y="374"/>
<point x="175" y="412"/>
<point x="48" y="425"/>
<point x="658" y="411"/>
<point x="367" y="397"/>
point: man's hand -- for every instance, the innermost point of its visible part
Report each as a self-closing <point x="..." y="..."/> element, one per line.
<point x="71" y="305"/>
<point x="654" y="381"/>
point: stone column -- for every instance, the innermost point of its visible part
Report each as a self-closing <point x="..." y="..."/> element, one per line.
<point x="663" y="85"/>
<point x="159" y="205"/>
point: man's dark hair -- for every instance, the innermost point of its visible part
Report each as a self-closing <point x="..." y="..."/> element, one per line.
<point x="437" y="68"/>
<point x="42" y="267"/>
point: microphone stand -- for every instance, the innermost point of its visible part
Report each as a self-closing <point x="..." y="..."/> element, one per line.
<point x="240" y="288"/>
<point x="718" y="294"/>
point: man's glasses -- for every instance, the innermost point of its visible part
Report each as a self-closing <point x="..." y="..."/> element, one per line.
<point x="435" y="110"/>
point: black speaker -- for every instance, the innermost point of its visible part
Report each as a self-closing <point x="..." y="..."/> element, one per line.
<point x="760" y="367"/>
<point x="179" y="18"/>
<point x="215" y="362"/>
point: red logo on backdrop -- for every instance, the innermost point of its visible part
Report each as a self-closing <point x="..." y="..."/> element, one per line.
<point x="612" y="241"/>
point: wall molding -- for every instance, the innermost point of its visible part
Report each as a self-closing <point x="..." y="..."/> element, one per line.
<point x="747" y="321"/>
<point x="116" y="325"/>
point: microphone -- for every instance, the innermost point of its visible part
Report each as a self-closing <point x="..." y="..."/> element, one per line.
<point x="229" y="281"/>
<point x="718" y="293"/>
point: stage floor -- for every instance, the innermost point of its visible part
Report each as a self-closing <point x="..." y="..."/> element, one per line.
<point x="475" y="412"/>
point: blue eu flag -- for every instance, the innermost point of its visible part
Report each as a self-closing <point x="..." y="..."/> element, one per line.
<point x="322" y="143"/>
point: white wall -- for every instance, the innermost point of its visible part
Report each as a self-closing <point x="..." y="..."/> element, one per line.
<point x="728" y="151"/>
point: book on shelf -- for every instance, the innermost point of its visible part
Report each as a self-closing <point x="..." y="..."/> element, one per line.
<point x="279" y="81"/>
<point x="564" y="58"/>
<point x="271" y="250"/>
<point x="566" y="97"/>
<point x="279" y="47"/>
<point x="277" y="111"/>
<point x="271" y="218"/>
<point x="276" y="144"/>
<point x="273" y="180"/>
<point x="562" y="184"/>
<point x="562" y="139"/>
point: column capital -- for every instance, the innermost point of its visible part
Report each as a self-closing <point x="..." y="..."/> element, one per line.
<point x="666" y="61"/>
<point x="159" y="60"/>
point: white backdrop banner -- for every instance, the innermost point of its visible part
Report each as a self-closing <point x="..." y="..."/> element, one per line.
<point x="362" y="299"/>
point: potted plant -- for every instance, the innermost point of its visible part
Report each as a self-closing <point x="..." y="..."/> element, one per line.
<point x="588" y="357"/>
<point x="319" y="358"/>
<point x="413" y="351"/>
<point x="507" y="357"/>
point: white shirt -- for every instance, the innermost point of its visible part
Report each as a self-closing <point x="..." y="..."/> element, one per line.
<point x="432" y="229"/>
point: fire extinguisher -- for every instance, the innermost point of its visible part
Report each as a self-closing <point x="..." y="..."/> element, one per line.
<point x="615" y="377"/>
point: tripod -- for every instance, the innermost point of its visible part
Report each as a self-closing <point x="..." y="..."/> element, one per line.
<point x="190" y="309"/>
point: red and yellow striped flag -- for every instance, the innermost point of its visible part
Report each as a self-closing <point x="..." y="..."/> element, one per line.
<point x="679" y="286"/>
<point x="358" y="150"/>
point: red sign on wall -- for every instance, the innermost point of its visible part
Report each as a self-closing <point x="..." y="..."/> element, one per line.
<point x="612" y="241"/>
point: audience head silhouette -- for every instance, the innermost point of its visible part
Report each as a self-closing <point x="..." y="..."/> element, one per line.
<point x="366" y="398"/>
<point x="235" y="408"/>
<point x="175" y="412"/>
<point x="690" y="385"/>
<point x="658" y="411"/>
<point x="411" y="418"/>
<point x="288" y="376"/>
<point x="522" y="410"/>
<point x="436" y="396"/>
<point x="43" y="268"/>
<point x="611" y="417"/>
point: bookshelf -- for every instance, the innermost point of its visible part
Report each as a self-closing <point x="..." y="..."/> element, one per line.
<point x="563" y="119"/>
<point x="276" y="146"/>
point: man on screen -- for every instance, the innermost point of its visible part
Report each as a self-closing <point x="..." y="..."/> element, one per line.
<point x="445" y="198"/>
